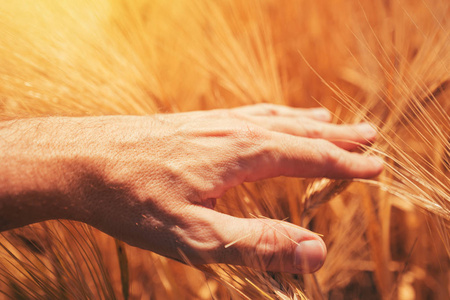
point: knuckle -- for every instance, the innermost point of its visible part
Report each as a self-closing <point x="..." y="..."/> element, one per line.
<point x="250" y="134"/>
<point x="267" y="252"/>
<point x="220" y="113"/>
<point x="313" y="130"/>
<point x="268" y="108"/>
<point x="198" y="241"/>
<point x="326" y="150"/>
<point x="270" y="247"/>
<point x="226" y="114"/>
<point x="330" y="156"/>
<point x="231" y="114"/>
<point x="334" y="155"/>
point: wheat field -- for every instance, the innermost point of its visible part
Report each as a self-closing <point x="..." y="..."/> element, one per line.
<point x="386" y="62"/>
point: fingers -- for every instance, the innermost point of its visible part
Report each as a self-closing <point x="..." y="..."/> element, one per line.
<point x="266" y="109"/>
<point x="344" y="136"/>
<point x="286" y="155"/>
<point x="311" y="123"/>
<point x="264" y="244"/>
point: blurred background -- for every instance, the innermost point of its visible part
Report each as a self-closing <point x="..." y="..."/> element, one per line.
<point x="386" y="62"/>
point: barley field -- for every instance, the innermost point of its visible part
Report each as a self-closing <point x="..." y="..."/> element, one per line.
<point x="385" y="62"/>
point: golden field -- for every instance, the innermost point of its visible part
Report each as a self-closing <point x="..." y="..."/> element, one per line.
<point x="386" y="62"/>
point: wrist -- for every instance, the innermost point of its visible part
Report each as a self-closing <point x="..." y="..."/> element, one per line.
<point x="34" y="178"/>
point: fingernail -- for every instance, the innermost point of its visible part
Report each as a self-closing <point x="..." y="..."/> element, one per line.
<point x="321" y="114"/>
<point x="309" y="256"/>
<point x="366" y="130"/>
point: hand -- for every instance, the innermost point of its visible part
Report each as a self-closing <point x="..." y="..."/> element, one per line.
<point x="152" y="181"/>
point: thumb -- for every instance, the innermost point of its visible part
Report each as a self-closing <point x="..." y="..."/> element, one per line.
<point x="264" y="244"/>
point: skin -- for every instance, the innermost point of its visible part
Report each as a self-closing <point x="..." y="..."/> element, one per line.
<point x="153" y="181"/>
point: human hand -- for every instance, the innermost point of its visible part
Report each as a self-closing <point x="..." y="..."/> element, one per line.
<point x="152" y="181"/>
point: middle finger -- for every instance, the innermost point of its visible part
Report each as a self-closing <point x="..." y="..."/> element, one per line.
<point x="347" y="137"/>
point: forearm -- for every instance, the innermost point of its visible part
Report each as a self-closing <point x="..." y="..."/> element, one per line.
<point x="65" y="167"/>
<point x="33" y="183"/>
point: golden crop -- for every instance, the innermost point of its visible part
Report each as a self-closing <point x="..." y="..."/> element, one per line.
<point x="387" y="62"/>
